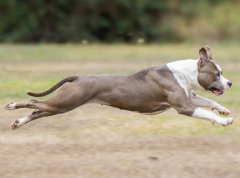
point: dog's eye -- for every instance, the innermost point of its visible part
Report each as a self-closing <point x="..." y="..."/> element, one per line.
<point x="218" y="74"/>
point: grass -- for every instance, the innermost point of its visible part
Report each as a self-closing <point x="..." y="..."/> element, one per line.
<point x="100" y="141"/>
<point x="38" y="67"/>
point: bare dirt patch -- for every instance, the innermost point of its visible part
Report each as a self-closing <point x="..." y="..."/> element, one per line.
<point x="99" y="141"/>
<point x="95" y="141"/>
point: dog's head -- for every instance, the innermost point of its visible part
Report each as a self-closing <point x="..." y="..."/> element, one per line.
<point x="210" y="74"/>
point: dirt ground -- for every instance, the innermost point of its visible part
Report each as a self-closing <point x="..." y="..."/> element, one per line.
<point x="98" y="141"/>
<point x="95" y="141"/>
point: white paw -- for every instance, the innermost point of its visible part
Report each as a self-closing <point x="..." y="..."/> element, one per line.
<point x="14" y="124"/>
<point x="19" y="122"/>
<point x="10" y="106"/>
<point x="225" y="121"/>
<point x="222" y="110"/>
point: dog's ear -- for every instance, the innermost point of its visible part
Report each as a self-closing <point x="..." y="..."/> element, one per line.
<point x="209" y="52"/>
<point x="203" y="56"/>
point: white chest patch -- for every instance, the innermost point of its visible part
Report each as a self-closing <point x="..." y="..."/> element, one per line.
<point x="182" y="71"/>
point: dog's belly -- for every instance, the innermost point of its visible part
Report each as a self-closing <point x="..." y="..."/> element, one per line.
<point x="154" y="109"/>
<point x="148" y="108"/>
<point x="157" y="112"/>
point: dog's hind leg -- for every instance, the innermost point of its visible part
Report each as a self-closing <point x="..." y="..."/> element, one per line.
<point x="67" y="98"/>
<point x="35" y="115"/>
<point x="33" y="104"/>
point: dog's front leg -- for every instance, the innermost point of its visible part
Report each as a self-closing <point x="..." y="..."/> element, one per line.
<point x="205" y="114"/>
<point x="178" y="100"/>
<point x="204" y="102"/>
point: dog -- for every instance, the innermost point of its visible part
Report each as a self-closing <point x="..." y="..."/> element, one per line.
<point x="149" y="91"/>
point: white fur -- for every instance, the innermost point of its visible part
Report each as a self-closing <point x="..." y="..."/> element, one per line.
<point x="186" y="72"/>
<point x="208" y="115"/>
<point x="218" y="67"/>
<point x="10" y="106"/>
<point x="22" y="121"/>
<point x="223" y="80"/>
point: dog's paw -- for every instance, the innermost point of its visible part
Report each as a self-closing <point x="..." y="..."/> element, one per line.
<point x="226" y="121"/>
<point x="10" y="106"/>
<point x="14" y="125"/>
<point x="222" y="110"/>
<point x="20" y="122"/>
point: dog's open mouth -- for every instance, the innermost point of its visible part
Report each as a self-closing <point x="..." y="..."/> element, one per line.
<point x="216" y="91"/>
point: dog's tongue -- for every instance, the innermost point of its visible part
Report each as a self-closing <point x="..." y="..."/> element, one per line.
<point x="218" y="92"/>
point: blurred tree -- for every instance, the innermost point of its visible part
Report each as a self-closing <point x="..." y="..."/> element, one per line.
<point x="117" y="20"/>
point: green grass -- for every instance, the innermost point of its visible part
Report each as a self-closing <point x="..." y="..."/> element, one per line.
<point x="38" y="67"/>
<point x="99" y="53"/>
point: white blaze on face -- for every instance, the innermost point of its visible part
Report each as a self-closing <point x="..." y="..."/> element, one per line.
<point x="223" y="80"/>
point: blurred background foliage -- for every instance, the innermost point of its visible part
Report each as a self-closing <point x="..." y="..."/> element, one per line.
<point x="119" y="20"/>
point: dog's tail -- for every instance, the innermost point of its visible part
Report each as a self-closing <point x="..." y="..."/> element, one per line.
<point x="59" y="84"/>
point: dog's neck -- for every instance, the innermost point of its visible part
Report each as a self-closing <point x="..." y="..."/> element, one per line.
<point x="194" y="83"/>
<point x="186" y="72"/>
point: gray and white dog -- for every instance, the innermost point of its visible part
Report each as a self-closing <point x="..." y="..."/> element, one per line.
<point x="149" y="91"/>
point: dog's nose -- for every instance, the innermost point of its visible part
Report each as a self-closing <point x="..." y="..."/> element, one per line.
<point x="229" y="83"/>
